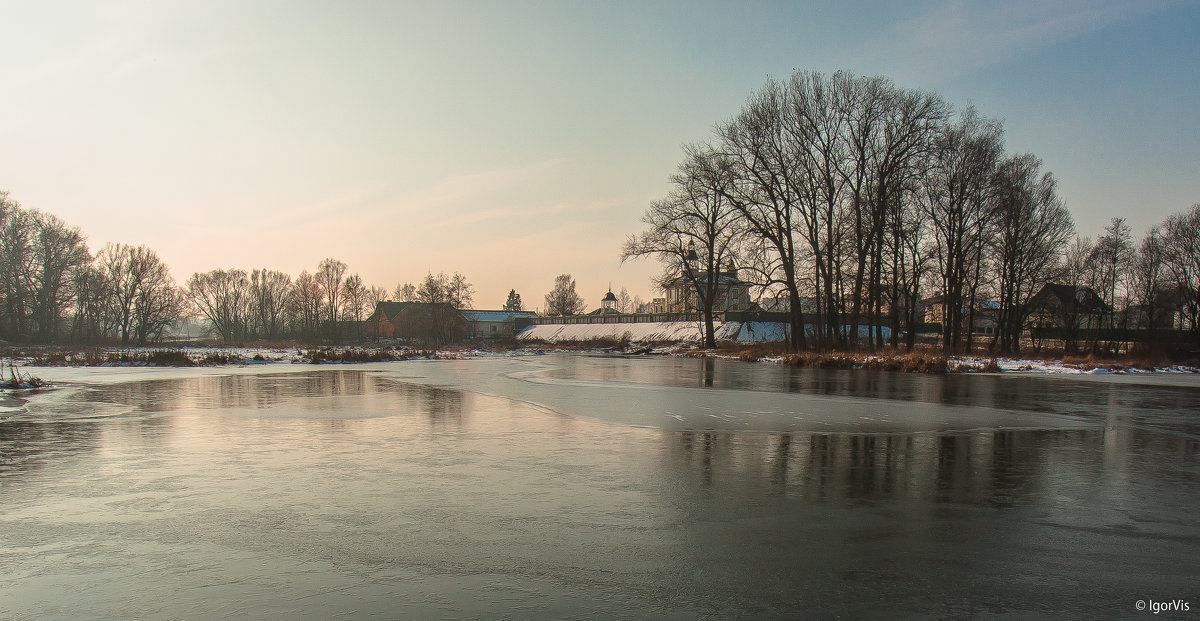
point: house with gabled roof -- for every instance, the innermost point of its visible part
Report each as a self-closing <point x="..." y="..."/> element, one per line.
<point x="438" y="323"/>
<point x="1067" y="306"/>
<point x="381" y="323"/>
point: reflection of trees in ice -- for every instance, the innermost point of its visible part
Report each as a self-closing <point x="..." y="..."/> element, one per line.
<point x="996" y="468"/>
<point x="443" y="407"/>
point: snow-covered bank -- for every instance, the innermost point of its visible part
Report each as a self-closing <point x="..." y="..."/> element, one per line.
<point x="649" y="332"/>
<point x="682" y="332"/>
<point x="243" y="360"/>
<point x="1033" y="366"/>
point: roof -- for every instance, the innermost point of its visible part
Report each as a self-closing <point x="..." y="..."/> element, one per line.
<point x="497" y="316"/>
<point x="609" y="297"/>
<point x="1076" y="299"/>
<point x="390" y="309"/>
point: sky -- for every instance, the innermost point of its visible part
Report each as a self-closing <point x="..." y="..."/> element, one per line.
<point x="515" y="141"/>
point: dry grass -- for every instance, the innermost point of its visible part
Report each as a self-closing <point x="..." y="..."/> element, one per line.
<point x="905" y="362"/>
<point x="988" y="366"/>
<point x="18" y="379"/>
<point x="1092" y="362"/>
<point x="328" y="354"/>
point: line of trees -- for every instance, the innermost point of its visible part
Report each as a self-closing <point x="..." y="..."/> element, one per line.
<point x="854" y="198"/>
<point x="56" y="290"/>
<point x="268" y="304"/>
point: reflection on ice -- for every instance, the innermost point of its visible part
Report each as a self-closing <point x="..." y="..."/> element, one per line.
<point x="318" y="394"/>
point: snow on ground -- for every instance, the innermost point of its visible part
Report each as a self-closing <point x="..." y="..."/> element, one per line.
<point x="1032" y="366"/>
<point x="677" y="331"/>
<point x="752" y="332"/>
<point x="770" y="331"/>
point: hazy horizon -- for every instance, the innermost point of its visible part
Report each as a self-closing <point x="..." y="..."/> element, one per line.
<point x="513" y="142"/>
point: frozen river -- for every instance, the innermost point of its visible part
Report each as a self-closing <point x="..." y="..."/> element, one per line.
<point x="596" y="487"/>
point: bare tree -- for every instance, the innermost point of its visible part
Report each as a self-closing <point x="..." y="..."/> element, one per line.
<point x="763" y="153"/>
<point x="225" y="298"/>
<point x="158" y="304"/>
<point x="955" y="199"/>
<point x="329" y="276"/>
<point x="93" y="314"/>
<point x="1076" y="273"/>
<point x="445" y="296"/>
<point x="59" y="253"/>
<point x="269" y="293"/>
<point x="354" y="294"/>
<point x="1109" y="264"/>
<point x="18" y="230"/>
<point x="460" y="292"/>
<point x="624" y="303"/>
<point x="375" y="294"/>
<point x="1149" y="274"/>
<point x="897" y="160"/>
<point x="1181" y="239"/>
<point x="1031" y="230"/>
<point x="562" y="299"/>
<point x="143" y="297"/>
<point x="405" y="292"/>
<point x="306" y="303"/>
<point x="691" y="232"/>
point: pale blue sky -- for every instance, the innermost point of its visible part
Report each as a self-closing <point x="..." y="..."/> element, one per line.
<point x="513" y="141"/>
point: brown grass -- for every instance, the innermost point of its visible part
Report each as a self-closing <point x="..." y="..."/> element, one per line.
<point x="988" y="366"/>
<point x="327" y="354"/>
<point x="906" y="362"/>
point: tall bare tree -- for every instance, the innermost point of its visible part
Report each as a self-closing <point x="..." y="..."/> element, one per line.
<point x="956" y="199"/>
<point x="225" y="298"/>
<point x="692" y="232"/>
<point x="354" y="295"/>
<point x="1181" y="240"/>
<point x="306" y="303"/>
<point x="406" y="292"/>
<point x="142" y="294"/>
<point x="1031" y="229"/>
<point x="1109" y="262"/>
<point x="329" y="276"/>
<point x="269" y="293"/>
<point x="59" y="253"/>
<point x="18" y="230"/>
<point x="374" y="295"/>
<point x="445" y="296"/>
<point x="1149" y="275"/>
<point x="761" y="158"/>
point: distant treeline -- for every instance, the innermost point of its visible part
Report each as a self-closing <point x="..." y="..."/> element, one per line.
<point x="854" y="199"/>
<point x="54" y="290"/>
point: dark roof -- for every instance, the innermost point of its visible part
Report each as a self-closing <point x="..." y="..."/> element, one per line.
<point x="1071" y="298"/>
<point x="390" y="309"/>
<point x="609" y="297"/>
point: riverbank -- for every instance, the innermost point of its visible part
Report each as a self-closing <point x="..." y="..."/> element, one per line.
<point x="918" y="361"/>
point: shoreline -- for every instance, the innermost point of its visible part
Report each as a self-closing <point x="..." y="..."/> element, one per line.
<point x="920" y="361"/>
